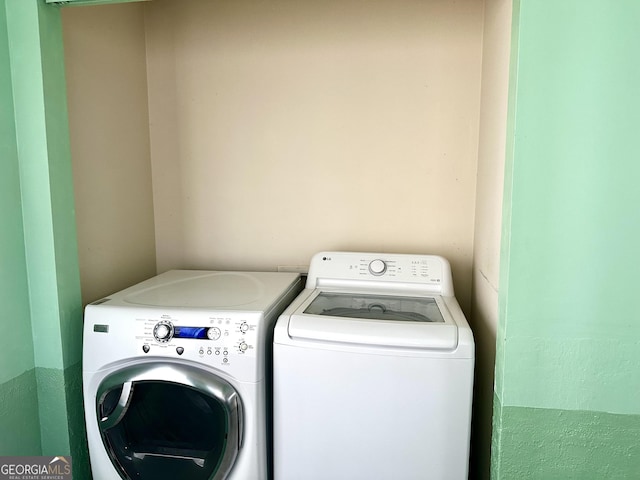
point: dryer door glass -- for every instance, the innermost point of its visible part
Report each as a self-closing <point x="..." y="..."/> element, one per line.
<point x="169" y="423"/>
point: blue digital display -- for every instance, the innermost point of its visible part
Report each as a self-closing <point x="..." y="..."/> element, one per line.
<point x="190" y="332"/>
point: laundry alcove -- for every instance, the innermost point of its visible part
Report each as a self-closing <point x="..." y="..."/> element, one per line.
<point x="252" y="134"/>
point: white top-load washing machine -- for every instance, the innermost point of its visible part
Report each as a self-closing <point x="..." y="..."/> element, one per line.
<point x="175" y="375"/>
<point x="373" y="372"/>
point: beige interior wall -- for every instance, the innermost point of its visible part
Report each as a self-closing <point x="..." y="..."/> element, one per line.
<point x="488" y="221"/>
<point x="282" y="128"/>
<point x="109" y="125"/>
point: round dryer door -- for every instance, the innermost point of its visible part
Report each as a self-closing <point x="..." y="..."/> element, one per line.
<point x="167" y="421"/>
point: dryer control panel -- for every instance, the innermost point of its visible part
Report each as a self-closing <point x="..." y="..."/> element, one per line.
<point x="217" y="338"/>
<point x="232" y="342"/>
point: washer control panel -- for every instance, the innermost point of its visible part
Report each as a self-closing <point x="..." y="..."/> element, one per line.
<point x="430" y="273"/>
<point x="218" y="340"/>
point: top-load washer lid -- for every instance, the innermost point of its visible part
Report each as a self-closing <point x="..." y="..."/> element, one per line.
<point x="375" y="319"/>
<point x="376" y="307"/>
<point x="210" y="290"/>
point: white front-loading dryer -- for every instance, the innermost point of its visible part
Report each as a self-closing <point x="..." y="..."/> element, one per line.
<point x="175" y="375"/>
<point x="373" y="372"/>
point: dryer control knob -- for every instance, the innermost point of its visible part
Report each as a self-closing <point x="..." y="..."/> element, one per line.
<point x="163" y="331"/>
<point x="377" y="267"/>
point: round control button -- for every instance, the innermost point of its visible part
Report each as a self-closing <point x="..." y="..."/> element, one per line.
<point x="377" y="267"/>
<point x="243" y="347"/>
<point x="213" y="333"/>
<point x="163" y="331"/>
<point x="244" y="327"/>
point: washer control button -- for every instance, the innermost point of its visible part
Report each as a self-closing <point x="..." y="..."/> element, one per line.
<point x="377" y="267"/>
<point x="146" y="348"/>
<point x="243" y="346"/>
<point x="179" y="350"/>
<point x="244" y="327"/>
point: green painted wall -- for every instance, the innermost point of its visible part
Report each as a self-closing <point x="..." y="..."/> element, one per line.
<point x="13" y="274"/>
<point x="40" y="379"/>
<point x="568" y="351"/>
<point x="19" y="422"/>
<point x="547" y="444"/>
